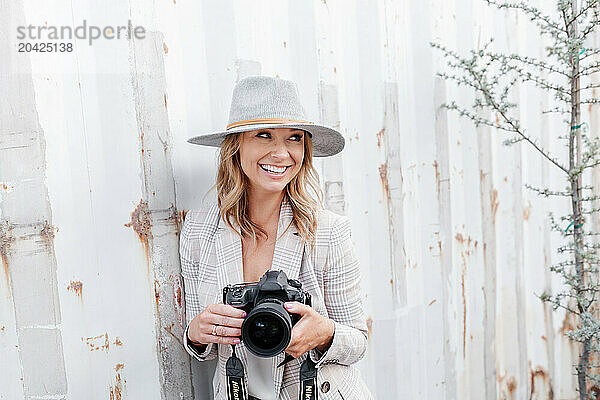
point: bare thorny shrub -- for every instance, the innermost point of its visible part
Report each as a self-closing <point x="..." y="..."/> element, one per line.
<point x="565" y="72"/>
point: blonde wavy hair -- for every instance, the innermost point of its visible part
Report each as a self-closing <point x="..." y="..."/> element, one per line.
<point x="233" y="200"/>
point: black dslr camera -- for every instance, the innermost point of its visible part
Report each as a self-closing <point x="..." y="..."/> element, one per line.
<point x="267" y="328"/>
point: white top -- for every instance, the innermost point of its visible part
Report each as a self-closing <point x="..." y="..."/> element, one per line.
<point x="260" y="377"/>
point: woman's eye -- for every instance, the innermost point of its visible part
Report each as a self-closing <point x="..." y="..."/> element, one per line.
<point x="296" y="137"/>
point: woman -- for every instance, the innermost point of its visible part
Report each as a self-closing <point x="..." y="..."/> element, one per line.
<point x="265" y="219"/>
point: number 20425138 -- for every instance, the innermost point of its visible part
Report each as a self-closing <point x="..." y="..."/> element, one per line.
<point x="45" y="47"/>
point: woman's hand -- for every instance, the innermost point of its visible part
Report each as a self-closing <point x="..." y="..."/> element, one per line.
<point x="312" y="330"/>
<point x="218" y="323"/>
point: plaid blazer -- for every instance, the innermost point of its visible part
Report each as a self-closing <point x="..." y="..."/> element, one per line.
<point x="211" y="258"/>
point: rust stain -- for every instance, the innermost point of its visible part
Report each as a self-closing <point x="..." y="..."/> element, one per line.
<point x="459" y="238"/>
<point x="165" y="100"/>
<point x="48" y="232"/>
<point x="567" y="324"/>
<point x="465" y="252"/>
<point x="169" y="328"/>
<point x="118" y="342"/>
<point x="178" y="296"/>
<point x="117" y="390"/>
<point x="334" y="70"/>
<point x="380" y="137"/>
<point x="177" y="287"/>
<point x="437" y="176"/>
<point x="76" y="287"/>
<point x="284" y="44"/>
<point x="383" y="170"/>
<point x="511" y="385"/>
<point x="494" y="204"/>
<point x="7" y="188"/>
<point x="157" y="297"/>
<point x="2" y="329"/>
<point x="177" y="337"/>
<point x="156" y="292"/>
<point x="5" y="267"/>
<point x="5" y="243"/>
<point x="432" y="301"/>
<point x="99" y="342"/>
<point x="165" y="48"/>
<point x="142" y="146"/>
<point x="173" y="217"/>
<point x="181" y="217"/>
<point x="141" y="224"/>
<point x="527" y="211"/>
<point x="540" y="375"/>
<point x="369" y="327"/>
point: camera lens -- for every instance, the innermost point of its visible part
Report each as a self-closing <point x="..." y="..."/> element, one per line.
<point x="266" y="331"/>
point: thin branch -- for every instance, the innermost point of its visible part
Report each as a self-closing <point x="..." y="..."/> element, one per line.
<point x="584" y="10"/>
<point x="528" y="61"/>
<point x="533" y="12"/>
<point x="515" y="126"/>
<point x="557" y="110"/>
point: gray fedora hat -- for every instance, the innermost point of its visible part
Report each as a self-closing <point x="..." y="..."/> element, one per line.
<point x="260" y="102"/>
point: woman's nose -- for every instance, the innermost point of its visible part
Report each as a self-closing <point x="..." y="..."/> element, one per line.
<point x="279" y="150"/>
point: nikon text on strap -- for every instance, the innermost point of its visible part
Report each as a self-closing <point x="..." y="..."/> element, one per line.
<point x="308" y="380"/>
<point x="234" y="369"/>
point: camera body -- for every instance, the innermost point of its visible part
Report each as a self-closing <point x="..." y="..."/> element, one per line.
<point x="266" y="330"/>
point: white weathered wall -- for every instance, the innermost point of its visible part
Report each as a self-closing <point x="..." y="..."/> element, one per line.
<point x="95" y="174"/>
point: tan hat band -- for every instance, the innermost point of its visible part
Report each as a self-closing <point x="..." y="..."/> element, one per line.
<point x="256" y="121"/>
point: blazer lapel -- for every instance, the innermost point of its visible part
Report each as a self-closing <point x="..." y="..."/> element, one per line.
<point x="289" y="247"/>
<point x="228" y="249"/>
<point x="288" y="255"/>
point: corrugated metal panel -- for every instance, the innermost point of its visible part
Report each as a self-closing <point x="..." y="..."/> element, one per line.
<point x="95" y="175"/>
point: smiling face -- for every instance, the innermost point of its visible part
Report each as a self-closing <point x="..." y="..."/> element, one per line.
<point x="271" y="158"/>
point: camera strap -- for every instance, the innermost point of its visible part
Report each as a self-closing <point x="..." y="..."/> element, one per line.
<point x="236" y="389"/>
<point x="234" y="369"/>
<point x="308" y="380"/>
